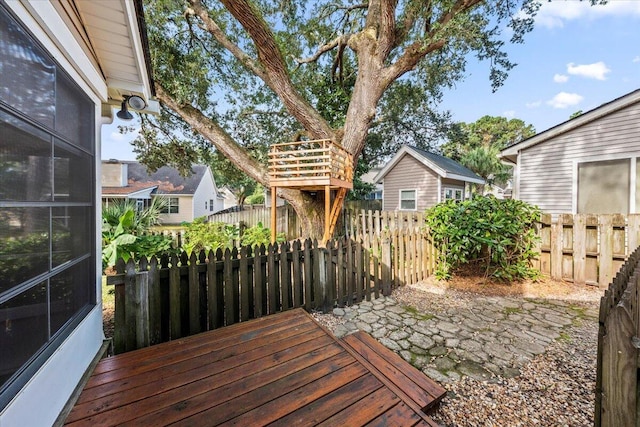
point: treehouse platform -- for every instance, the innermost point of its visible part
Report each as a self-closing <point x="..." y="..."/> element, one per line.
<point x="318" y="165"/>
<point x="310" y="165"/>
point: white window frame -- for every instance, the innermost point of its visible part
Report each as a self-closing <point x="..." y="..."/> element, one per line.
<point x="415" y="199"/>
<point x="454" y="191"/>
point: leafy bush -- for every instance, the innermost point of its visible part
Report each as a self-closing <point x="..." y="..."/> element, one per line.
<point x="119" y="241"/>
<point x="205" y="235"/>
<point x="497" y="234"/>
<point x="259" y="235"/>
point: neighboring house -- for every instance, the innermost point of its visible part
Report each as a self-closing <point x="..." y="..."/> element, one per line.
<point x="229" y="200"/>
<point x="369" y="178"/>
<point x="502" y="191"/>
<point x="585" y="165"/>
<point x="64" y="65"/>
<point x="415" y="179"/>
<point x="188" y="198"/>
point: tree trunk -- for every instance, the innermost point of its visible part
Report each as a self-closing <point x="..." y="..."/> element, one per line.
<point x="310" y="213"/>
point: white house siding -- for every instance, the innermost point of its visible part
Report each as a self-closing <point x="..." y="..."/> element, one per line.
<point x="40" y="401"/>
<point x="185" y="210"/>
<point x="205" y="192"/>
<point x="409" y="174"/>
<point x="547" y="170"/>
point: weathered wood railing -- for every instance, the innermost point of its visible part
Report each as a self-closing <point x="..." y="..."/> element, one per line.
<point x="162" y="299"/>
<point x="617" y="387"/>
<point x="309" y="163"/>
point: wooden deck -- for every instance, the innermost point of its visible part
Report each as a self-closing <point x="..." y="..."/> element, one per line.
<point x="283" y="369"/>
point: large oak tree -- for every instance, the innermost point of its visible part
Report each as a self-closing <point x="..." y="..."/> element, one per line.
<point x="234" y="73"/>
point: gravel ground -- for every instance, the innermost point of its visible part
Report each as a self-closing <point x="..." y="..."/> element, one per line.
<point x="554" y="389"/>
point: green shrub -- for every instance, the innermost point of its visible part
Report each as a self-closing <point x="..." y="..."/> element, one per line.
<point x="119" y="241"/>
<point x="259" y="235"/>
<point x="496" y="234"/>
<point x="209" y="236"/>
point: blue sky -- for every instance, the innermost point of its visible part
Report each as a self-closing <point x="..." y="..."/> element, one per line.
<point x="577" y="58"/>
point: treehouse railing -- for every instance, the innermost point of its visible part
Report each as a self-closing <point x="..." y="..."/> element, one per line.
<point x="310" y="164"/>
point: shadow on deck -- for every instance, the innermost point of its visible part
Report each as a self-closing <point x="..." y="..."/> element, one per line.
<point x="283" y="369"/>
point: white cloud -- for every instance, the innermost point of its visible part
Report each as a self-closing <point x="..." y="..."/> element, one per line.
<point x="560" y="78"/>
<point x="554" y="14"/>
<point x="564" y="100"/>
<point x="636" y="59"/>
<point x="597" y="70"/>
<point x="534" y="104"/>
<point x="510" y="114"/>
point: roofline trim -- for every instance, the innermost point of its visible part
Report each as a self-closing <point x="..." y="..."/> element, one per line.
<point x="398" y="156"/>
<point x="589" y="116"/>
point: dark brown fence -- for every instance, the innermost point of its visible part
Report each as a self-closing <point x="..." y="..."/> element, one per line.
<point x="163" y="299"/>
<point x="617" y="386"/>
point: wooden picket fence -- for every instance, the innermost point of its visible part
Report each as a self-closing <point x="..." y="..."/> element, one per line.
<point x="162" y="299"/>
<point x="586" y="249"/>
<point x="617" y="379"/>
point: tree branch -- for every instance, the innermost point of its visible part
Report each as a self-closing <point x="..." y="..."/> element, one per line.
<point x="277" y="75"/>
<point x="341" y="40"/>
<point x="418" y="50"/>
<point x="387" y="31"/>
<point x="197" y="9"/>
<point x="216" y="135"/>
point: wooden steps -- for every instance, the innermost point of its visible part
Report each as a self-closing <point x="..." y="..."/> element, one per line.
<point x="413" y="387"/>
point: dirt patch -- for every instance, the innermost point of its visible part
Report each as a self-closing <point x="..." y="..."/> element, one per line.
<point x="108" y="311"/>
<point x="543" y="287"/>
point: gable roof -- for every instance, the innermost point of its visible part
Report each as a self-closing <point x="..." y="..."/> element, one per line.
<point x="167" y="179"/>
<point x="624" y="101"/>
<point x="140" y="189"/>
<point x="443" y="166"/>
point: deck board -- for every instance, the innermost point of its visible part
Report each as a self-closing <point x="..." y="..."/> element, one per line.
<point x="283" y="369"/>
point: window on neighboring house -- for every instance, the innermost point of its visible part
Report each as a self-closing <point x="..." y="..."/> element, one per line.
<point x="453" y="194"/>
<point x="211" y="205"/>
<point x="139" y="205"/>
<point x="374" y="195"/>
<point x="205" y="205"/>
<point x="47" y="206"/>
<point x="408" y="200"/>
<point x="172" y="206"/>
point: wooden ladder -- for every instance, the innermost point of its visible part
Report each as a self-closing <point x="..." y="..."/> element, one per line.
<point x="335" y="211"/>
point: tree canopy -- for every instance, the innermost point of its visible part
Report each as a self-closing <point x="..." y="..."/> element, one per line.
<point x="240" y="74"/>
<point x="477" y="145"/>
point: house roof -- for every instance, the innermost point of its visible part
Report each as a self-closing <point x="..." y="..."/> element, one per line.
<point x="443" y="166"/>
<point x="631" y="98"/>
<point x="129" y="190"/>
<point x="167" y="179"/>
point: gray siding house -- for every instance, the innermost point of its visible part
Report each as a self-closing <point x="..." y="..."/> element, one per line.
<point x="586" y="165"/>
<point x="415" y="180"/>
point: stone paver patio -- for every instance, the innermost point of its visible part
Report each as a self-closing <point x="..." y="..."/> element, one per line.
<point x="496" y="336"/>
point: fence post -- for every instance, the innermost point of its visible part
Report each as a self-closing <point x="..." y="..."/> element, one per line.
<point x="322" y="279"/>
<point x="605" y="222"/>
<point x="142" y="312"/>
<point x="619" y="362"/>
<point x="386" y="265"/>
<point x="556" y="249"/>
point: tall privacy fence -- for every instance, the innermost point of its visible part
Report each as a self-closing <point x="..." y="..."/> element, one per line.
<point x="617" y="379"/>
<point x="163" y="299"/>
<point x="584" y="249"/>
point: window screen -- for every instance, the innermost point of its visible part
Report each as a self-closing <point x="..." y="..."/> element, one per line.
<point x="408" y="200"/>
<point x="603" y="187"/>
<point x="47" y="206"/>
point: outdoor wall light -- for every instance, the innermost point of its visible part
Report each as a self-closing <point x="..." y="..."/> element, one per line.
<point x="130" y="101"/>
